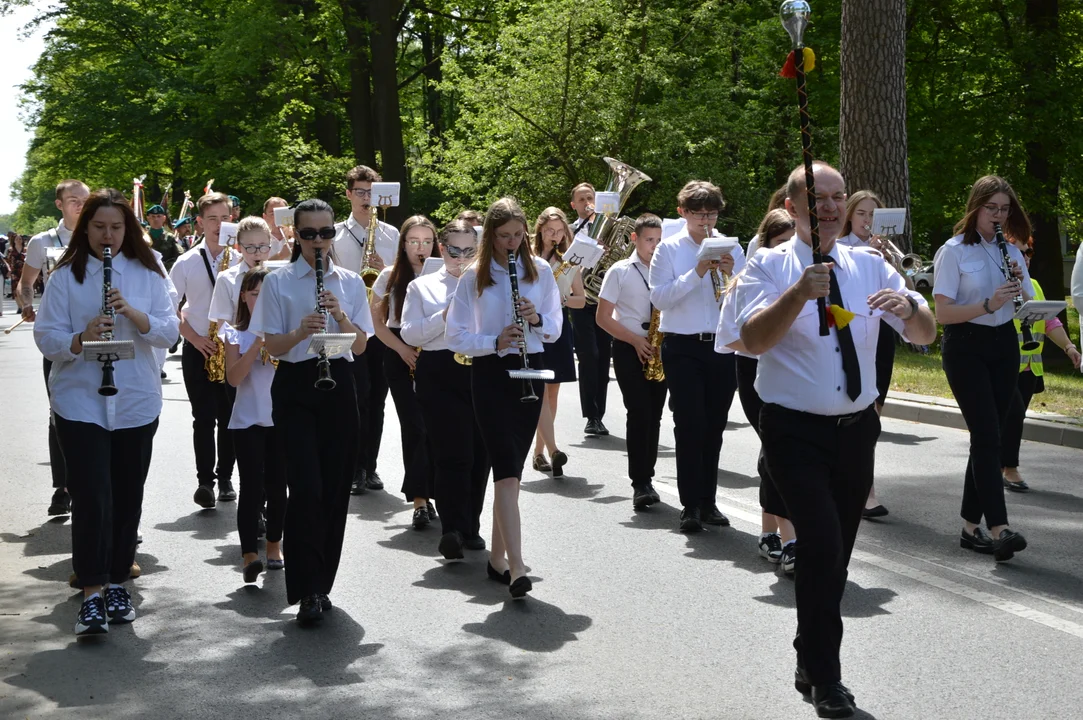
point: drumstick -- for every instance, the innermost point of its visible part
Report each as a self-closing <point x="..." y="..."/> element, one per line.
<point x="8" y="331"/>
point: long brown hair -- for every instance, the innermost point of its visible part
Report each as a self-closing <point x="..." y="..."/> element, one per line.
<point x="500" y="213"/>
<point x="774" y="223"/>
<point x="547" y="215"/>
<point x="1016" y="226"/>
<point x="851" y="206"/>
<point x="252" y="280"/>
<point x="402" y="272"/>
<point x="133" y="245"/>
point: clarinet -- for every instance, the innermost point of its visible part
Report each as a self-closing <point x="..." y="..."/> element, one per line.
<point x="513" y="275"/>
<point x="1029" y="343"/>
<point x="108" y="386"/>
<point x="324" y="381"/>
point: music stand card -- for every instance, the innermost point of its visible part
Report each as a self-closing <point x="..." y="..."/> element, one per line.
<point x="432" y="264"/>
<point x="227" y="234"/>
<point x="333" y="343"/>
<point x="583" y="252"/>
<point x="607" y="203"/>
<point x="888" y="221"/>
<point x="672" y="226"/>
<point x="385" y="194"/>
<point x="275" y="264"/>
<point x="713" y="248"/>
<point x="284" y="216"/>
<point x="1034" y="311"/>
<point x="102" y="350"/>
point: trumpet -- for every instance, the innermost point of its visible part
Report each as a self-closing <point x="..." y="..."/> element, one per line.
<point x="324" y="381"/>
<point x="716" y="279"/>
<point x="908" y="264"/>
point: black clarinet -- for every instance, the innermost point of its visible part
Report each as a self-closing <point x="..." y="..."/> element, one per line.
<point x="323" y="365"/>
<point x="513" y="275"/>
<point x="1029" y="343"/>
<point x="108" y="386"/>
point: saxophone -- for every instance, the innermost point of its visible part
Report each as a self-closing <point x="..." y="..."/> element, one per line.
<point x="215" y="364"/>
<point x="368" y="272"/>
<point x="652" y="369"/>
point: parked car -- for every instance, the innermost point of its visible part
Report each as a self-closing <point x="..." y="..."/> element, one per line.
<point x="923" y="280"/>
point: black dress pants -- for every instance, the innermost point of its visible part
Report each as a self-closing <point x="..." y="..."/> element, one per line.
<point x="823" y="469"/>
<point x="106" y="486"/>
<point x="1017" y="414"/>
<point x="211" y="410"/>
<point x="644" y="401"/>
<point x="316" y="429"/>
<point x="982" y="366"/>
<point x="701" y="387"/>
<point x="56" y="454"/>
<point x="593" y="347"/>
<point x="418" y="478"/>
<point x="458" y="453"/>
<point x="262" y="472"/>
<point x="770" y="500"/>
<point x="371" y="397"/>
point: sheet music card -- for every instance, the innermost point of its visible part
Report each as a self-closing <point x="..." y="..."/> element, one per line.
<point x="888" y="221"/>
<point x="385" y="194"/>
<point x="1034" y="311"/>
<point x="583" y="252"/>
<point x="713" y="248"/>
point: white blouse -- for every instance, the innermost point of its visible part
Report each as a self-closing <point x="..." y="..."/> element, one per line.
<point x="474" y="323"/>
<point x="423" y="311"/>
<point x="686" y="300"/>
<point x="969" y="274"/>
<point x="253" y="403"/>
<point x="379" y="290"/>
<point x="66" y="308"/>
<point x="227" y="291"/>
<point x="189" y="275"/>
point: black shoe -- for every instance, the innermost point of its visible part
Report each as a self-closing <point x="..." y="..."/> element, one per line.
<point x="310" y="612"/>
<point x="979" y="542"/>
<point x="173" y="347"/>
<point x="594" y="427"/>
<point x="252" y="570"/>
<point x="771" y="548"/>
<point x="541" y="464"/>
<point x="602" y="430"/>
<point x="1019" y="487"/>
<point x="474" y="542"/>
<point x="874" y="512"/>
<point x="800" y="681"/>
<point x="560" y="459"/>
<point x="118" y="604"/>
<point x="451" y="545"/>
<point x="788" y="560"/>
<point x="325" y="602"/>
<point x="421" y="517"/>
<point x="204" y="496"/>
<point x="1007" y="545"/>
<point x="91" y="619"/>
<point x="163" y="375"/>
<point x="711" y="515"/>
<point x="432" y="510"/>
<point x="61" y="504"/>
<point x="520" y="587"/>
<point x="644" y="496"/>
<point x="832" y="701"/>
<point x="226" y="493"/>
<point x="504" y="577"/>
<point x="373" y="481"/>
<point x="690" y="520"/>
<point x="358" y="486"/>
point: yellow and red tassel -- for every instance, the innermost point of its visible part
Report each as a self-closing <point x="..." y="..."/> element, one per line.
<point x="839" y="316"/>
<point x="789" y="69"/>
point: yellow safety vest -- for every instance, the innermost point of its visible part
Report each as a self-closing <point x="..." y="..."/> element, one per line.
<point x="1032" y="359"/>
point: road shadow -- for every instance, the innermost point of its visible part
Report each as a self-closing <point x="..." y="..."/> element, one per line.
<point x="214" y="524"/>
<point x="736" y="481"/>
<point x="896" y="438"/>
<point x="376" y="506"/>
<point x="568" y="486"/>
<point x="468" y="578"/>
<point x="531" y="625"/>
<point x="61" y="570"/>
<point x="660" y="516"/>
<point x="419" y="542"/>
<point x="1047" y="500"/>
<point x="322" y="654"/>
<point x="857" y="602"/>
<point x="52" y="537"/>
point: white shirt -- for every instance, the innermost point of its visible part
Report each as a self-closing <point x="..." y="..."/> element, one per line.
<point x="474" y="323"/>
<point x="189" y="275"/>
<point x="1077" y="280"/>
<point x="686" y="300"/>
<point x="379" y="290"/>
<point x="423" y="310"/>
<point x="36" y="249"/>
<point x="350" y="243"/>
<point x="853" y="241"/>
<point x="804" y="371"/>
<point x="969" y="274"/>
<point x="727" y="331"/>
<point x="625" y="285"/>
<point x="253" y="403"/>
<point x="66" y="308"/>
<point x="289" y="294"/>
<point x="227" y="292"/>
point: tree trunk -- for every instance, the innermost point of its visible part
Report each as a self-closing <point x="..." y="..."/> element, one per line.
<point x="359" y="102"/>
<point x="872" y="107"/>
<point x="384" y="42"/>
<point x="432" y="50"/>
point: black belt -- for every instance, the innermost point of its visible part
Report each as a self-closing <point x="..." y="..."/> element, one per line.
<point x="837" y="420"/>
<point x="701" y="337"/>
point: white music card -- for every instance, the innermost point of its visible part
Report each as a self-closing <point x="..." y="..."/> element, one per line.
<point x="607" y="203"/>
<point x="333" y="343"/>
<point x="227" y="234"/>
<point x="713" y="248"/>
<point x="385" y="194"/>
<point x="432" y="264"/>
<point x="284" y="216"/>
<point x="888" y="221"/>
<point x="583" y="252"/>
<point x="1034" y="311"/>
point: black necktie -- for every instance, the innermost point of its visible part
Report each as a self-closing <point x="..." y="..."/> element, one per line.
<point x="850" y="365"/>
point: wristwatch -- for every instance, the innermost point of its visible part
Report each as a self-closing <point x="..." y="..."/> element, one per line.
<point x="985" y="305"/>
<point x="540" y="319"/>
<point x="913" y="307"/>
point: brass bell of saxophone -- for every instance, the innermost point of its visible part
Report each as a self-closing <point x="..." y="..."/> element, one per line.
<point x="652" y="369"/>
<point x="215" y="364"/>
<point x="368" y="272"/>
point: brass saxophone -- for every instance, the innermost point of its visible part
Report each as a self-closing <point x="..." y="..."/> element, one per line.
<point x="368" y="272"/>
<point x="652" y="369"/>
<point x="215" y="364"/>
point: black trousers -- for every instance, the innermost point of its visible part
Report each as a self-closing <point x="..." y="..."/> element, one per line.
<point x="644" y="401"/>
<point x="316" y="429"/>
<point x="593" y="347"/>
<point x="417" y="480"/>
<point x="701" y="387"/>
<point x="56" y="455"/>
<point x="823" y="469"/>
<point x="106" y="487"/>
<point x="211" y="409"/>
<point x="770" y="500"/>
<point x="371" y="397"/>
<point x="885" y="360"/>
<point x="1017" y="414"/>
<point x="982" y="366"/>
<point x="458" y="452"/>
<point x="262" y="471"/>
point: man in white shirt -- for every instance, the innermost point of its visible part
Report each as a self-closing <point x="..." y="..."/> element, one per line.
<point x="194" y="275"/>
<point x="688" y="291"/>
<point x="349" y="252"/>
<point x="280" y="246"/>
<point x="1077" y="282"/>
<point x="70" y="196"/>
<point x="819" y="427"/>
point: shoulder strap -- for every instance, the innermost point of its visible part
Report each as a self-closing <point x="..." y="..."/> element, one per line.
<point x="207" y="264"/>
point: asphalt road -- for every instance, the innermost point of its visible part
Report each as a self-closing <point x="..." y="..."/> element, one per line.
<point x="628" y="618"/>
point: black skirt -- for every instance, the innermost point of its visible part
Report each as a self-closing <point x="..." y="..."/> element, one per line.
<point x="560" y="356"/>
<point x="507" y="423"/>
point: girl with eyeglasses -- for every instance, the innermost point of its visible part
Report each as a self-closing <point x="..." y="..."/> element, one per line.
<point x="316" y="428"/>
<point x="481" y="324"/>
<point x="980" y="351"/>
<point x="442" y="382"/>
<point x="417" y="241"/>
<point x="254" y="246"/>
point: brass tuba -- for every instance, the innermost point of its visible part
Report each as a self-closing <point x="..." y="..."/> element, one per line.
<point x="215" y="364"/>
<point x="653" y="370"/>
<point x="611" y="231"/>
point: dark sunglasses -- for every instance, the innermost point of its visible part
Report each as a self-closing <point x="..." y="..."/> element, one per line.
<point x="457" y="252"/>
<point x="310" y="233"/>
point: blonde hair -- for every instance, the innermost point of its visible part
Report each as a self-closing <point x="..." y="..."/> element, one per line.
<point x="548" y="215"/>
<point x="501" y="212"/>
<point x="253" y="223"/>
<point x="851" y="205"/>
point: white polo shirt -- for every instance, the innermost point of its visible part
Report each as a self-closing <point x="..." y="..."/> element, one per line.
<point x="625" y="285"/>
<point x="350" y="243"/>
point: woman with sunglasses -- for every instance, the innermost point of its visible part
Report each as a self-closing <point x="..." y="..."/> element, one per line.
<point x="481" y="324"/>
<point x="980" y="350"/>
<point x="1031" y="380"/>
<point x="442" y="381"/>
<point x="317" y="428"/>
<point x="417" y="241"/>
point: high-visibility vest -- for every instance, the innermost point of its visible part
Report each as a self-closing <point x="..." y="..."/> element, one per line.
<point x="1033" y="358"/>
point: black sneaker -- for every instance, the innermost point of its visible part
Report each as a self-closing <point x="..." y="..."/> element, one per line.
<point x="226" y="493"/>
<point x="474" y="542"/>
<point x="310" y="611"/>
<point x="91" y="620"/>
<point x="325" y="602"/>
<point x="373" y="481"/>
<point x="711" y="515"/>
<point x="432" y="510"/>
<point x="451" y="545"/>
<point x="118" y="604"/>
<point x="788" y="558"/>
<point x="358" y="487"/>
<point x="421" y="517"/>
<point x="771" y="548"/>
<point x="61" y="504"/>
<point x="690" y="521"/>
<point x="204" y="496"/>
<point x="644" y="496"/>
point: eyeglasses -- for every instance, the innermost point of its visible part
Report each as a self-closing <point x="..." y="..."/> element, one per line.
<point x="310" y="233"/>
<point x="253" y="249"/>
<point x="704" y="215"/>
<point x="419" y="243"/>
<point x="1004" y="210"/>
<point x="458" y="252"/>
<point x="361" y="192"/>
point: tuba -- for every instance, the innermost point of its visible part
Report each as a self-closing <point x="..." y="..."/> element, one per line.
<point x="215" y="364"/>
<point x="611" y="231"/>
<point x="652" y="370"/>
